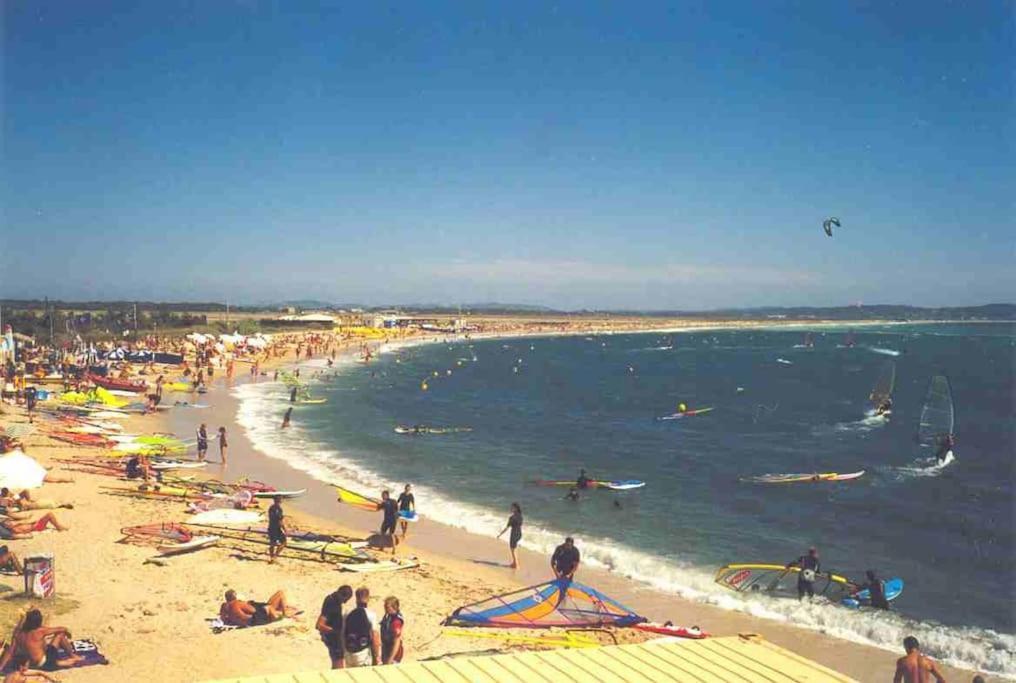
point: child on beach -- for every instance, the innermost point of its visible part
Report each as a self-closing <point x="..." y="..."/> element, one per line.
<point x="223" y="444"/>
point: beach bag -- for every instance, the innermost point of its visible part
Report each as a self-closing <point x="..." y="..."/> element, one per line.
<point x="357" y="632"/>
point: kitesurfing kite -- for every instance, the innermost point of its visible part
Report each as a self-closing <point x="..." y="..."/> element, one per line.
<point x="555" y="603"/>
<point x="828" y="224"/>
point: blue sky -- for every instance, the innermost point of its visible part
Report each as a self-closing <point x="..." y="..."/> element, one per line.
<point x="580" y="154"/>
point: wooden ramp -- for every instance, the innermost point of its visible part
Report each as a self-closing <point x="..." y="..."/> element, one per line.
<point x="720" y="660"/>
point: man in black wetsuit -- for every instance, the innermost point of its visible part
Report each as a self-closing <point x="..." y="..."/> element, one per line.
<point x="876" y="589"/>
<point x="572" y="495"/>
<point x="276" y="529"/>
<point x="583" y="482"/>
<point x="810" y="566"/>
<point x="391" y="510"/>
<point x="565" y="560"/>
<point x="945" y="444"/>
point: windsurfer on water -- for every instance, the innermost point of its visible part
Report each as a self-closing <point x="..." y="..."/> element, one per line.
<point x="809" y="565"/>
<point x="583" y="482"/>
<point x="945" y="446"/>
<point x="885" y="407"/>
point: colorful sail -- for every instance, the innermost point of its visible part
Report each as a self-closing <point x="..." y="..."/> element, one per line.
<point x="779" y="580"/>
<point x="937" y="413"/>
<point x="357" y="500"/>
<point x="555" y="603"/>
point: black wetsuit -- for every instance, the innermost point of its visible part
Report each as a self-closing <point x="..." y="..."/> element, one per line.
<point x="515" y="522"/>
<point x="806" y="562"/>
<point x="391" y="511"/>
<point x="583" y="482"/>
<point x="565" y="559"/>
<point x="876" y="589"/>
<point x="406" y="502"/>
<point x="331" y="610"/>
<point x="275" y="532"/>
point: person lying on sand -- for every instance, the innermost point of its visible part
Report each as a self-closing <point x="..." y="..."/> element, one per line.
<point x="42" y="647"/>
<point x="236" y="612"/>
<point x="12" y="530"/>
<point x="23" y="675"/>
<point x="24" y="502"/>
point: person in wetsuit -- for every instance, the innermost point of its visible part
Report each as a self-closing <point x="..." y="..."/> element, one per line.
<point x="945" y="445"/>
<point x="276" y="529"/>
<point x="565" y="560"/>
<point x="572" y="495"/>
<point x="407" y="503"/>
<point x="515" y="524"/>
<point x="391" y="516"/>
<point x="876" y="589"/>
<point x="810" y="567"/>
<point x="583" y="482"/>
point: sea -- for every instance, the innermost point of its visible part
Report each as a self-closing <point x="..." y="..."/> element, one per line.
<point x="784" y="400"/>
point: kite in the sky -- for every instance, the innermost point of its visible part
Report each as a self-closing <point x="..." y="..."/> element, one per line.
<point x="828" y="224"/>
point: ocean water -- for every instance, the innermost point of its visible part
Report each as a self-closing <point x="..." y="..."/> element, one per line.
<point x="541" y="408"/>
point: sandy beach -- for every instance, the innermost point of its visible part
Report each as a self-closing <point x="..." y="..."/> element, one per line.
<point x="150" y="619"/>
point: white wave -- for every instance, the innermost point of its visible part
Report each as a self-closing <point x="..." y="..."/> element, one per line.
<point x="884" y="352"/>
<point x="926" y="467"/>
<point x="969" y="647"/>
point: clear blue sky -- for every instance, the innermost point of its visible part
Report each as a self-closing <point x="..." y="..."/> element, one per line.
<point x="571" y="154"/>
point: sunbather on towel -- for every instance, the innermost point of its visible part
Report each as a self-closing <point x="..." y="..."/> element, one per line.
<point x="26" y="502"/>
<point x="12" y="530"/>
<point x="23" y="675"/>
<point x="43" y="647"/>
<point x="236" y="612"/>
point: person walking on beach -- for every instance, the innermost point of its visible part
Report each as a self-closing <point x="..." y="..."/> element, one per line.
<point x="391" y="632"/>
<point x="391" y="515"/>
<point x="329" y="624"/>
<point x="223" y="444"/>
<point x="285" y="418"/>
<point x="202" y="442"/>
<point x="515" y="524"/>
<point x="407" y="503"/>
<point x="565" y="560"/>
<point x="360" y="638"/>
<point x="810" y="567"/>
<point x="915" y="667"/>
<point x="31" y="396"/>
<point x="276" y="529"/>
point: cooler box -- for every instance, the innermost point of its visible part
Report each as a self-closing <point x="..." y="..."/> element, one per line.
<point x="40" y="576"/>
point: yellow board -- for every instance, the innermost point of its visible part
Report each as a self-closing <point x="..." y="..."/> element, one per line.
<point x="719" y="660"/>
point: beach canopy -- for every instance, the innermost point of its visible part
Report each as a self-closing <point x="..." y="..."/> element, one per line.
<point x="555" y="603"/>
<point x="20" y="471"/>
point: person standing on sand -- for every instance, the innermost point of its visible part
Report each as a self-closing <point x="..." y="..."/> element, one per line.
<point x="391" y="632"/>
<point x="285" y="418"/>
<point x="276" y="529"/>
<point x="407" y="503"/>
<point x="292" y="395"/>
<point x="202" y="442"/>
<point x="223" y="444"/>
<point x="565" y="560"/>
<point x="515" y="524"/>
<point x="329" y="624"/>
<point x="391" y="515"/>
<point x="915" y="667"/>
<point x="360" y="638"/>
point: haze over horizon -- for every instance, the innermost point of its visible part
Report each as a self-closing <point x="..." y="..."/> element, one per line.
<point x="566" y="156"/>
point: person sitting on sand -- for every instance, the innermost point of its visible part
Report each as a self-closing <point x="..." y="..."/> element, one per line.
<point x="243" y="613"/>
<point x="13" y="530"/>
<point x="138" y="467"/>
<point x="915" y="667"/>
<point x="565" y="560"/>
<point x="43" y="647"/>
<point x="9" y="561"/>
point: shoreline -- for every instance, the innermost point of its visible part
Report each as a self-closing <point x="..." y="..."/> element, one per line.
<point x="654" y="602"/>
<point x="143" y="607"/>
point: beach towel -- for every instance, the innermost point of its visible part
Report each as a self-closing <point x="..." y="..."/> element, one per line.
<point x="217" y="625"/>
<point x="88" y="650"/>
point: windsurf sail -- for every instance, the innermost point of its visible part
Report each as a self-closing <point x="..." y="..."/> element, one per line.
<point x="936" y="414"/>
<point x="781" y="581"/>
<point x="883" y="389"/>
<point x="357" y="500"/>
<point x="555" y="603"/>
<point x="157" y="533"/>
